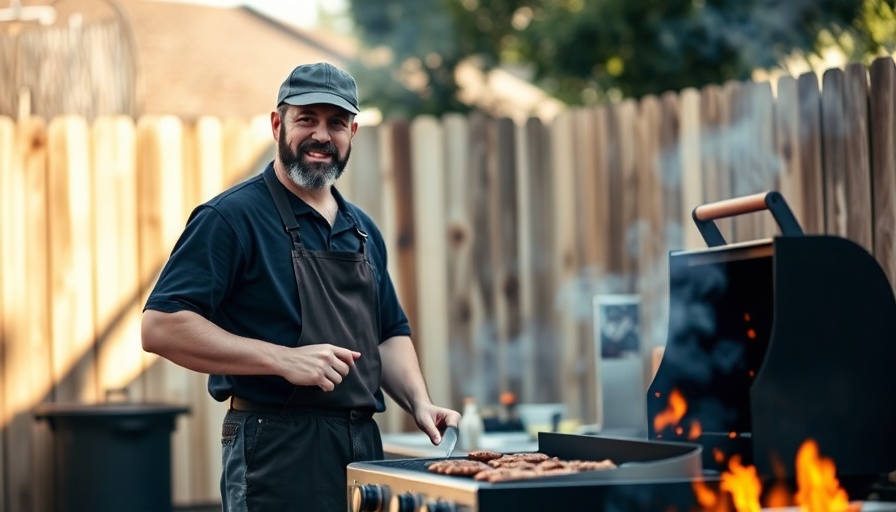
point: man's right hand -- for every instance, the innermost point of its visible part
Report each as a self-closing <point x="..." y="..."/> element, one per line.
<point x="322" y="365"/>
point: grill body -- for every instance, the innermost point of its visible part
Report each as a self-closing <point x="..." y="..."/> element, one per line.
<point x="647" y="470"/>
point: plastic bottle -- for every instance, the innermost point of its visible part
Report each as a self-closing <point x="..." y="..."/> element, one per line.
<point x="471" y="426"/>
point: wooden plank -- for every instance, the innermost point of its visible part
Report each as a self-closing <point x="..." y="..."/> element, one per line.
<point x="10" y="275"/>
<point x="431" y="247"/>
<point x="491" y="250"/>
<point x="627" y="113"/>
<point x="810" y="151"/>
<point x="464" y="301"/>
<point x="486" y="358"/>
<point x="764" y="170"/>
<point x="566" y="264"/>
<point x="604" y="128"/>
<point x="883" y="163"/>
<point x="536" y="193"/>
<point x="859" y="224"/>
<point x="160" y="212"/>
<point x="834" y="152"/>
<point x="788" y="147"/>
<point x="526" y="157"/>
<point x="204" y="444"/>
<point x="735" y="141"/>
<point x="725" y="167"/>
<point x="846" y="165"/>
<point x="402" y="252"/>
<point x="749" y="153"/>
<point x="117" y="311"/>
<point x="207" y="179"/>
<point x="9" y="95"/>
<point x="506" y="253"/>
<point x="603" y="215"/>
<point x="715" y="118"/>
<point x="363" y="170"/>
<point x="29" y="478"/>
<point x="614" y="196"/>
<point x="248" y="148"/>
<point x="670" y="171"/>
<point x="590" y="201"/>
<point x="71" y="261"/>
<point x="691" y="176"/>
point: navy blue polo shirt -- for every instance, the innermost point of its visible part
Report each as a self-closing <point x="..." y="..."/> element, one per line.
<point x="232" y="265"/>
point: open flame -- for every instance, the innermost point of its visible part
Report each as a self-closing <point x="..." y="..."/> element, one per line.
<point x="743" y="484"/>
<point x="819" y="489"/>
<point x="740" y="487"/>
<point x="672" y="415"/>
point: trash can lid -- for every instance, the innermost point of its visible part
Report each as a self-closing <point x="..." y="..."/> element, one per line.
<point x="74" y="409"/>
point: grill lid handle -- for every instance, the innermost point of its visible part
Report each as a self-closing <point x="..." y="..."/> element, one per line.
<point x="773" y="201"/>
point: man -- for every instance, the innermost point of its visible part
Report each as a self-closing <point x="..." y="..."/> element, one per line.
<point x="278" y="289"/>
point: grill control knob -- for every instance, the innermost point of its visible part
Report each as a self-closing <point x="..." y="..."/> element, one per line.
<point x="406" y="502"/>
<point x="369" y="498"/>
<point x="438" y="506"/>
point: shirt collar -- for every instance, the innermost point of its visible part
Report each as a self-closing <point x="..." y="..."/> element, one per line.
<point x="299" y="207"/>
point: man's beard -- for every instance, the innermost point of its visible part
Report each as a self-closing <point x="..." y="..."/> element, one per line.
<point x="311" y="175"/>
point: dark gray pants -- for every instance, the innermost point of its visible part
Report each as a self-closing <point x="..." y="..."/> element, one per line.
<point x="291" y="461"/>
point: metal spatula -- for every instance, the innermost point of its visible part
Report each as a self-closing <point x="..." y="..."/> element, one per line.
<point x="449" y="440"/>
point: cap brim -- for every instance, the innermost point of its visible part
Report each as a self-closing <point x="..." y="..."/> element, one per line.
<point x="313" y="98"/>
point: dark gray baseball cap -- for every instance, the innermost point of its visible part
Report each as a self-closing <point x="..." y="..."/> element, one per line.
<point x="320" y="82"/>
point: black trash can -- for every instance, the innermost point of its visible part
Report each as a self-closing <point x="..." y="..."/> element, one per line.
<point x="111" y="457"/>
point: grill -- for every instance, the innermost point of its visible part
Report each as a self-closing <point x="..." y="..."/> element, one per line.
<point x="770" y="343"/>
<point x="406" y="485"/>
<point x="774" y="342"/>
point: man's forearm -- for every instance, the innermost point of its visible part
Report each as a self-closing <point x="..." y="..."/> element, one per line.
<point x="402" y="378"/>
<point x="189" y="340"/>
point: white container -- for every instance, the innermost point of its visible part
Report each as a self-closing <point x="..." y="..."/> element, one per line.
<point x="471" y="427"/>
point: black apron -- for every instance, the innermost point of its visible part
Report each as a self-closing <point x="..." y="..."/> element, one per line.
<point x="298" y="459"/>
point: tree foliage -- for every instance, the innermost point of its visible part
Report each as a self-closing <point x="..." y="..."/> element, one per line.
<point x="581" y="51"/>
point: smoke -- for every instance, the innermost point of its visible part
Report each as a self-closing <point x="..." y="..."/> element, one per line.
<point x="760" y="33"/>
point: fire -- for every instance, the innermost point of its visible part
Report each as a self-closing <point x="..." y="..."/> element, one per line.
<point x="705" y="496"/>
<point x="743" y="484"/>
<point x="672" y="415"/>
<point x="818" y="487"/>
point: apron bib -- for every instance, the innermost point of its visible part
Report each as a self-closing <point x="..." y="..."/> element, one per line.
<point x="338" y="301"/>
<point x="295" y="460"/>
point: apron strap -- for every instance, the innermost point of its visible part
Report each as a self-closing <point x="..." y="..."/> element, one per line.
<point x="283" y="208"/>
<point x="289" y="219"/>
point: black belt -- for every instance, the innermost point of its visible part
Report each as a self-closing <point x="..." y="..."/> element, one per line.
<point x="241" y="404"/>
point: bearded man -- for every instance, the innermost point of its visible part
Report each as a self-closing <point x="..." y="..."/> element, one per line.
<point x="278" y="290"/>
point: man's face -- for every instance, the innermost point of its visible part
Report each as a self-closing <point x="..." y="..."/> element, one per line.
<point x="315" y="143"/>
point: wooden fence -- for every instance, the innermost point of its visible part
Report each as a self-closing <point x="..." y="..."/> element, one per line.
<point x="499" y="232"/>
